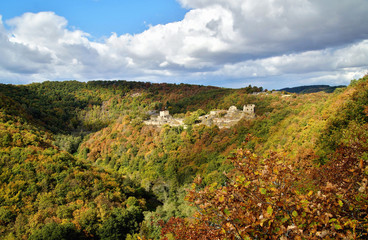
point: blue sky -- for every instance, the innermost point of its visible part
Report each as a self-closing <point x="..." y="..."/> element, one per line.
<point x="102" y="17"/>
<point x="227" y="43"/>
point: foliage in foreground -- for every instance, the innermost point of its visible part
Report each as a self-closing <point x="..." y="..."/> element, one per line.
<point x="274" y="198"/>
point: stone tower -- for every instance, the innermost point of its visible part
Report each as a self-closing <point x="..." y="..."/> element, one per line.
<point x="164" y="114"/>
<point x="249" y="108"/>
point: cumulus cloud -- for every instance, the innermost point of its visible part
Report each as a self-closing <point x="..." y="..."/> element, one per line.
<point x="230" y="43"/>
<point x="17" y="58"/>
<point x="40" y="47"/>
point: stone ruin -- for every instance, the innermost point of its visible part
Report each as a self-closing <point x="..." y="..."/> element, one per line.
<point x="249" y="108"/>
<point x="165" y="114"/>
<point x="227" y="119"/>
<point x="163" y="118"/>
<point x="221" y="118"/>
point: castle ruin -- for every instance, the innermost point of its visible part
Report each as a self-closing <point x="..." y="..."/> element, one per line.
<point x="164" y="114"/>
<point x="163" y="118"/>
<point x="221" y="118"/>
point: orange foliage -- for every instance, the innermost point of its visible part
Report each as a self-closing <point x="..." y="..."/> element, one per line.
<point x="273" y="198"/>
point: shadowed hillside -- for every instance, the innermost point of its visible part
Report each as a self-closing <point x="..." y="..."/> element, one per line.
<point x="312" y="89"/>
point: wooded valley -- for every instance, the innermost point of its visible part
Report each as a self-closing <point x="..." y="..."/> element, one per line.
<point x="78" y="162"/>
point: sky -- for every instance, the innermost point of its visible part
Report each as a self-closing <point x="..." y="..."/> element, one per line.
<point x="226" y="43"/>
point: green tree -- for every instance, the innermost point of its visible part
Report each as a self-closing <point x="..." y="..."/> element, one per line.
<point x="121" y="223"/>
<point x="54" y="231"/>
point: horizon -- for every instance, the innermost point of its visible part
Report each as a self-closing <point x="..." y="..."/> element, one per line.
<point x="232" y="44"/>
<point x="122" y="80"/>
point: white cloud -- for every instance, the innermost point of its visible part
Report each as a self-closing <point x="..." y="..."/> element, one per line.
<point x="19" y="59"/>
<point x="223" y="42"/>
<point x="344" y="63"/>
<point x="354" y="55"/>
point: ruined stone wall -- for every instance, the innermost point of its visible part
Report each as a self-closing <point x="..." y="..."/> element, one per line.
<point x="221" y="118"/>
<point x="164" y="113"/>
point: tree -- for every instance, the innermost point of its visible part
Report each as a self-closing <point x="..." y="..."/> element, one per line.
<point x="54" y="231"/>
<point x="121" y="223"/>
<point x="273" y="198"/>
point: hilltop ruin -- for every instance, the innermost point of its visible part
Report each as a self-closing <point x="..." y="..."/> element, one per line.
<point x="164" y="118"/>
<point x="221" y="118"/>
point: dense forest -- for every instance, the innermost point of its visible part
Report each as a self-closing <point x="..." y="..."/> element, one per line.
<point x="312" y="89"/>
<point x="78" y="162"/>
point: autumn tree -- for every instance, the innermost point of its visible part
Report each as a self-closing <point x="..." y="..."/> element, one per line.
<point x="274" y="198"/>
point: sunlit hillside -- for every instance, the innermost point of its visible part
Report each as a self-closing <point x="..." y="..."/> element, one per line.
<point x="78" y="161"/>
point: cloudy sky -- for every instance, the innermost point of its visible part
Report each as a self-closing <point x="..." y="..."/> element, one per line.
<point x="228" y="43"/>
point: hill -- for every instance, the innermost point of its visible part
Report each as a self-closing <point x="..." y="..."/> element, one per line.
<point x="78" y="160"/>
<point x="312" y="89"/>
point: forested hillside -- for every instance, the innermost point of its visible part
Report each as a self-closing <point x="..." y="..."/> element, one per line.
<point x="312" y="89"/>
<point x="78" y="162"/>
